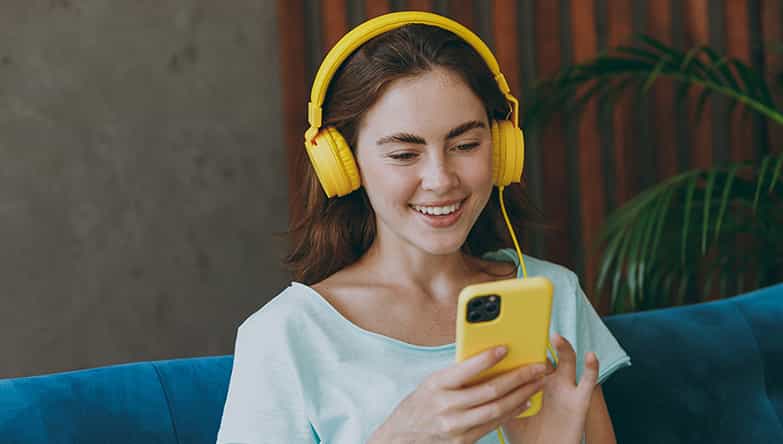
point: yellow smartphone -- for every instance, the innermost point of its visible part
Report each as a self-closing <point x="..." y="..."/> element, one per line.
<point x="511" y="312"/>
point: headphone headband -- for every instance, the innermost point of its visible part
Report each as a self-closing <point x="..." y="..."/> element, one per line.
<point x="378" y="25"/>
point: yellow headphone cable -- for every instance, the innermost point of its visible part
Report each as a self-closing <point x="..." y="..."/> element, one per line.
<point x="524" y="275"/>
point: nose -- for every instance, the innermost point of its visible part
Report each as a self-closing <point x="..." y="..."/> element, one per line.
<point x="438" y="175"/>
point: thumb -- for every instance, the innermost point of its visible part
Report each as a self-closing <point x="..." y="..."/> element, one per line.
<point x="589" y="375"/>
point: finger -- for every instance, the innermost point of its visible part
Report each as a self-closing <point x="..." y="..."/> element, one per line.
<point x="566" y="355"/>
<point x="497" y="387"/>
<point x="492" y="414"/>
<point x="457" y="375"/>
<point x="550" y="368"/>
<point x="589" y="375"/>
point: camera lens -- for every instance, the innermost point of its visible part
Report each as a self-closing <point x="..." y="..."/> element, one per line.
<point x="475" y="304"/>
<point x="491" y="307"/>
<point x="474" y="316"/>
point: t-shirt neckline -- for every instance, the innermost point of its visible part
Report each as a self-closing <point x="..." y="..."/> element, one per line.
<point x="397" y="342"/>
<point x="388" y="339"/>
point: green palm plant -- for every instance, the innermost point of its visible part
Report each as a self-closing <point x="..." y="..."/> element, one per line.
<point x="715" y="231"/>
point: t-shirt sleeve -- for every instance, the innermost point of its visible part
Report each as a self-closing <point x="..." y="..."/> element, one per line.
<point x="592" y="335"/>
<point x="264" y="402"/>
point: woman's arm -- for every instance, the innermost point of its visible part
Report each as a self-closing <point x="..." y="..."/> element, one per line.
<point x="598" y="426"/>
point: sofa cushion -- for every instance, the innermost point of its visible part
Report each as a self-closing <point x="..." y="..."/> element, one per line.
<point x="196" y="391"/>
<point x="704" y="373"/>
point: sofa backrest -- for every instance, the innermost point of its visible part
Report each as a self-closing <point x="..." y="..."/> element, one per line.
<point x="196" y="390"/>
<point x="167" y="402"/>
<point x="704" y="373"/>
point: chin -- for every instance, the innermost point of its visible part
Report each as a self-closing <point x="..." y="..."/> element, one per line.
<point x="444" y="248"/>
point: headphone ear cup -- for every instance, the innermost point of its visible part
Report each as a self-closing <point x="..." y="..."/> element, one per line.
<point x="333" y="163"/>
<point x="508" y="153"/>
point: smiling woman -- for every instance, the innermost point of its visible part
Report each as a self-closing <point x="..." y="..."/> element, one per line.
<point x="399" y="216"/>
<point x="360" y="89"/>
<point x="423" y="124"/>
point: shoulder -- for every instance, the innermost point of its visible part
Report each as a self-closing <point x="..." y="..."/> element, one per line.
<point x="282" y="313"/>
<point x="562" y="277"/>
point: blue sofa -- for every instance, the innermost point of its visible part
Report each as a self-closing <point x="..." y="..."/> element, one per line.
<point x="705" y="373"/>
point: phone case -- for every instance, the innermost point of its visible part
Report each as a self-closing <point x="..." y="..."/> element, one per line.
<point x="522" y="324"/>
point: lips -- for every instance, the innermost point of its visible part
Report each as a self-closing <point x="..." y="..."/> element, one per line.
<point x="438" y="210"/>
<point x="440" y="220"/>
<point x="441" y="203"/>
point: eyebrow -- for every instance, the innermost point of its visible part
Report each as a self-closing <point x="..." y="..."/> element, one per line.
<point x="412" y="138"/>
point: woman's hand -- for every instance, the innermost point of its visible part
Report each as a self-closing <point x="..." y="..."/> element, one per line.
<point x="564" y="407"/>
<point x="443" y="409"/>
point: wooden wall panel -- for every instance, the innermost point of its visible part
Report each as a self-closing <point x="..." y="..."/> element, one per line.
<point x="420" y="5"/>
<point x="294" y="97"/>
<point x="772" y="34"/>
<point x="664" y="138"/>
<point x="335" y="22"/>
<point x="373" y="8"/>
<point x="620" y="28"/>
<point x="697" y="32"/>
<point x="738" y="45"/>
<point x="559" y="245"/>
<point x="462" y="11"/>
<point x="592" y="198"/>
<point x="504" y="34"/>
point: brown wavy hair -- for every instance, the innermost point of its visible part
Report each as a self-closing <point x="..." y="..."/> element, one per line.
<point x="334" y="233"/>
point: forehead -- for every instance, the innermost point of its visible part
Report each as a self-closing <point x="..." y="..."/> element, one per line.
<point x="431" y="103"/>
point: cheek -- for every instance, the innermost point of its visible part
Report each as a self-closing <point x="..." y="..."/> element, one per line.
<point x="386" y="186"/>
<point x="478" y="171"/>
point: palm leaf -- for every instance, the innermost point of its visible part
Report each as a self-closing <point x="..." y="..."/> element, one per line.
<point x="707" y="203"/>
<point x="776" y="173"/>
<point x="760" y="182"/>
<point x="649" y="61"/>
<point x="724" y="200"/>
<point x="695" y="213"/>
<point x="637" y="263"/>
<point x="686" y="217"/>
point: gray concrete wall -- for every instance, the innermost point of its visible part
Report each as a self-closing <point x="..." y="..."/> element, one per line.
<point x="141" y="178"/>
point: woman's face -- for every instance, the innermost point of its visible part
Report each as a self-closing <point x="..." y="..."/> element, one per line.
<point x="425" y="158"/>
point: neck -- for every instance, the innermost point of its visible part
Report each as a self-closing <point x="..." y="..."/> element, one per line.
<point x="438" y="277"/>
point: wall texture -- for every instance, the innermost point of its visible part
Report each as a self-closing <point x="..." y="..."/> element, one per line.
<point x="142" y="177"/>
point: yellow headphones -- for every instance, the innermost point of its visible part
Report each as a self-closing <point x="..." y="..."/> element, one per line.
<point x="330" y="154"/>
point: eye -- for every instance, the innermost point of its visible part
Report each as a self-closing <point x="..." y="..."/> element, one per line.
<point x="402" y="156"/>
<point x="466" y="146"/>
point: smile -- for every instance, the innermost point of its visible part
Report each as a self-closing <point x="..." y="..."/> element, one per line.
<point x="438" y="210"/>
<point x="439" y="216"/>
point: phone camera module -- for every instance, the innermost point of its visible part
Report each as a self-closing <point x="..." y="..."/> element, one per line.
<point x="483" y="308"/>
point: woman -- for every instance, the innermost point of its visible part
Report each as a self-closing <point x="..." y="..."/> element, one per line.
<point x="360" y="348"/>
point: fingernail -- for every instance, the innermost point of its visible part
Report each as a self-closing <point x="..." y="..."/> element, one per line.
<point x="522" y="408"/>
<point x="501" y="351"/>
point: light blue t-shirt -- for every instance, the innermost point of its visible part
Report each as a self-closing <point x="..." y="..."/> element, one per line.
<point x="303" y="373"/>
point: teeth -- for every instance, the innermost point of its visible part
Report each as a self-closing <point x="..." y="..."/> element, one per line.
<point x="438" y="211"/>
